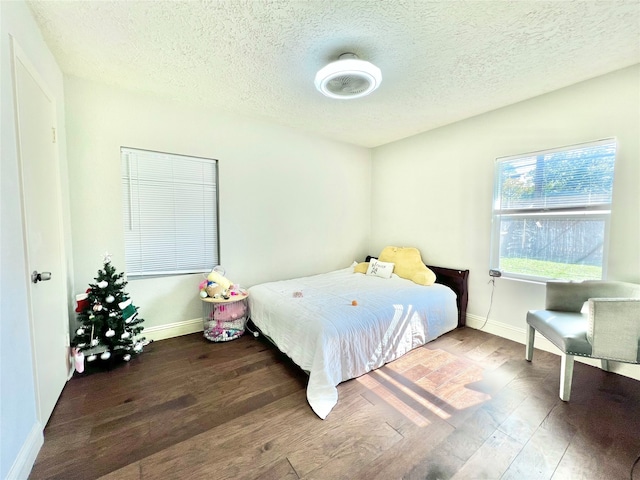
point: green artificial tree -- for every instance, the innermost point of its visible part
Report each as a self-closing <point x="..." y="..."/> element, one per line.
<point x="110" y="322"/>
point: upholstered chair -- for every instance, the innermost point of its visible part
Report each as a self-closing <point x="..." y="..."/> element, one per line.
<point x="595" y="319"/>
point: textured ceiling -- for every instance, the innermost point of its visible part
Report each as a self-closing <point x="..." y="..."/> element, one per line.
<point x="441" y="61"/>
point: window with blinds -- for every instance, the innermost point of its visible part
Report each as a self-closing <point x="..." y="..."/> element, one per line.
<point x="551" y="212"/>
<point x="170" y="213"/>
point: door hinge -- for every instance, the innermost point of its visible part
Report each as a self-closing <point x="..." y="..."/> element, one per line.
<point x="53" y="132"/>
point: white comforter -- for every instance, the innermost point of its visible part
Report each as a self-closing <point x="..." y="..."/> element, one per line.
<point x="324" y="334"/>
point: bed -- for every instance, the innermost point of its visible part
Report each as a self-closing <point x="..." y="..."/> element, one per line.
<point x="340" y="325"/>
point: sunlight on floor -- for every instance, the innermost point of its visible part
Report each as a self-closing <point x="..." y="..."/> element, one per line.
<point x="426" y="382"/>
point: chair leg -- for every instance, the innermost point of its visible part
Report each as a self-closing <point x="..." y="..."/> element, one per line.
<point x="566" y="375"/>
<point x="531" y="335"/>
<point x="605" y="365"/>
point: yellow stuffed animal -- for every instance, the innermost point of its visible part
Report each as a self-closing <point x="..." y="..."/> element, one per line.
<point x="215" y="277"/>
<point x="217" y="284"/>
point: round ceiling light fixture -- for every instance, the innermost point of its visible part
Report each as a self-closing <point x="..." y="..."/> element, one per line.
<point x="348" y="77"/>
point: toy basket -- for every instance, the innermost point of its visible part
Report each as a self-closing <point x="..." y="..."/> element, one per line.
<point x="224" y="320"/>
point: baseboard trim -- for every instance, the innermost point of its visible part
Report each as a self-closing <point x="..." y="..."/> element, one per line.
<point x="519" y="335"/>
<point x="500" y="329"/>
<point x="23" y="464"/>
<point x="171" y="330"/>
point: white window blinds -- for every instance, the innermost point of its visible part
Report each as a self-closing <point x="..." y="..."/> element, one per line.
<point x="579" y="176"/>
<point x="170" y="213"/>
<point x="551" y="212"/>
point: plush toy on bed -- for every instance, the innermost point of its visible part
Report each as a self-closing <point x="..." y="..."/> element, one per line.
<point x="407" y="263"/>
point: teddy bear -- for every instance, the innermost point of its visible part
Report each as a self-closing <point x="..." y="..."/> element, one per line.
<point x="216" y="285"/>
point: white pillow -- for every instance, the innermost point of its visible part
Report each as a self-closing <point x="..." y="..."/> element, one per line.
<point x="380" y="269"/>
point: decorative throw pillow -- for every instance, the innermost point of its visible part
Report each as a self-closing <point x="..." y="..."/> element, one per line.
<point x="408" y="264"/>
<point x="380" y="269"/>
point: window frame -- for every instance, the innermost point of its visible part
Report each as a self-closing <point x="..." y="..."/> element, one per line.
<point x="596" y="212"/>
<point x="128" y="210"/>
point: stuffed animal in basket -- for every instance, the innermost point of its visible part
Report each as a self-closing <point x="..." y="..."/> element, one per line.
<point x="217" y="285"/>
<point x="228" y="312"/>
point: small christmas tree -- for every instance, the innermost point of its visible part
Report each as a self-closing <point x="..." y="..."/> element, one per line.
<point x="110" y="322"/>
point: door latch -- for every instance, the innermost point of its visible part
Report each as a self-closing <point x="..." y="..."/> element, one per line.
<point x="40" y="277"/>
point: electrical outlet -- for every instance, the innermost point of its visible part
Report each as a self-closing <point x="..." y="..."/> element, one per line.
<point x="495" y="273"/>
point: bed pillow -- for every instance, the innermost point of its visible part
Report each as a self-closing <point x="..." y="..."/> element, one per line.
<point x="361" y="267"/>
<point x="380" y="269"/>
<point x="408" y="264"/>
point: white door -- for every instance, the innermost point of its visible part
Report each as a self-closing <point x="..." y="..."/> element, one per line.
<point x="42" y="225"/>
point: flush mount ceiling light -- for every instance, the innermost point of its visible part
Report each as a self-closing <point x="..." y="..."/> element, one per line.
<point x="348" y="77"/>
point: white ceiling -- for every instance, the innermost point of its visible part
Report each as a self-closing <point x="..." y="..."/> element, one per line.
<point x="441" y="61"/>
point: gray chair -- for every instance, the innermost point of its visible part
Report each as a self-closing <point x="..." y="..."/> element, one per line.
<point x="606" y="327"/>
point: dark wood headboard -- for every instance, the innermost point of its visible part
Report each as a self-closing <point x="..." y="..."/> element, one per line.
<point x="457" y="281"/>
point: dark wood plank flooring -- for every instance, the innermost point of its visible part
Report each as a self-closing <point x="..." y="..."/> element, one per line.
<point x="466" y="406"/>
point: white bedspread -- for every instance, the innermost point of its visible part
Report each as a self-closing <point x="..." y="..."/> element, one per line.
<point x="324" y="334"/>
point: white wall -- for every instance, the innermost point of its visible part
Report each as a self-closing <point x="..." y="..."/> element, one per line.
<point x="434" y="190"/>
<point x="290" y="203"/>
<point x="21" y="434"/>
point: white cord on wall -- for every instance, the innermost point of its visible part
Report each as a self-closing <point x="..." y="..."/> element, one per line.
<point x="493" y="289"/>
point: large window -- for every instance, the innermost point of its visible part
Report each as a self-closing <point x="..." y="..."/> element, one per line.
<point x="551" y="212"/>
<point x="170" y="212"/>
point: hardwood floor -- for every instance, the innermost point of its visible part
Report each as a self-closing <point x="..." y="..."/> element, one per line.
<point x="466" y="406"/>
